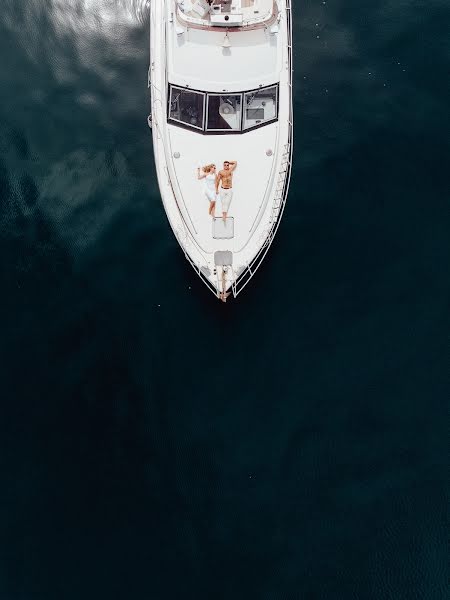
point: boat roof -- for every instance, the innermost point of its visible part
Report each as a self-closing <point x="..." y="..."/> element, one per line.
<point x="223" y="60"/>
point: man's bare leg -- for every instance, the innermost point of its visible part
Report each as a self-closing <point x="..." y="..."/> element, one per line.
<point x="224" y="217"/>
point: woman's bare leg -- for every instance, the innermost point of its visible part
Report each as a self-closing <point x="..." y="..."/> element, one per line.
<point x="212" y="209"/>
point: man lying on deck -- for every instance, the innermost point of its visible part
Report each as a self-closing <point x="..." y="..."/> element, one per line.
<point x="225" y="178"/>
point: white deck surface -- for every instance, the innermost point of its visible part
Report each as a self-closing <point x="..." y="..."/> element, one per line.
<point x="250" y="180"/>
<point x="197" y="59"/>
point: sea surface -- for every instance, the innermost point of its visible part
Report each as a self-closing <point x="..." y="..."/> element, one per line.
<point x="289" y="445"/>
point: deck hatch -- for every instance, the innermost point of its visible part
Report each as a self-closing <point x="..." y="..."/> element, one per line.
<point x="223" y="258"/>
<point x="223" y="230"/>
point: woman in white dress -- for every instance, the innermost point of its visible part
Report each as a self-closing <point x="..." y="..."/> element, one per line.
<point x="208" y="173"/>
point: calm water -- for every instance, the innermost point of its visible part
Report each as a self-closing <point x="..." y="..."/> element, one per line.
<point x="157" y="444"/>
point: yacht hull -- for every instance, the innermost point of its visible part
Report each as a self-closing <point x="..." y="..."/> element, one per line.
<point x="264" y="153"/>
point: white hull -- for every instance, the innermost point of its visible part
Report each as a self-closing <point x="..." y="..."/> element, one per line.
<point x="196" y="58"/>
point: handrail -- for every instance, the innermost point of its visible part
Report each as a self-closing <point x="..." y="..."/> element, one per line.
<point x="155" y="122"/>
<point x="281" y="196"/>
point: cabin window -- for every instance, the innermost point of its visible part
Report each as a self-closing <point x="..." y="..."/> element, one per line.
<point x="260" y="107"/>
<point x="187" y="107"/>
<point x="224" y="112"/>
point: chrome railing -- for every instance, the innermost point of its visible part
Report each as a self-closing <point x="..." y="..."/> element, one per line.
<point x="284" y="176"/>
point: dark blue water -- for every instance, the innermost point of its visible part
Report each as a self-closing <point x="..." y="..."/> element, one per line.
<point x="155" y="443"/>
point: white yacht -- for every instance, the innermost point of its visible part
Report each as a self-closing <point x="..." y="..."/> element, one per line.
<point x="221" y="96"/>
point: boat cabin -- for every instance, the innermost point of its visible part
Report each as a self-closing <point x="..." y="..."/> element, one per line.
<point x="225" y="13"/>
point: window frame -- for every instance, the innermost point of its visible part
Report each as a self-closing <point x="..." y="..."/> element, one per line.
<point x="277" y="106"/>
<point x="222" y="131"/>
<point x="183" y="123"/>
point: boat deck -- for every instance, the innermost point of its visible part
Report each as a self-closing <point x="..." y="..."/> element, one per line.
<point x="251" y="182"/>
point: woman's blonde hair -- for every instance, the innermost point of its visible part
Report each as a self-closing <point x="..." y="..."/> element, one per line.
<point x="208" y="168"/>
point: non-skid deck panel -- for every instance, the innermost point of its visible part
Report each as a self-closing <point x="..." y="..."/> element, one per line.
<point x="223" y="230"/>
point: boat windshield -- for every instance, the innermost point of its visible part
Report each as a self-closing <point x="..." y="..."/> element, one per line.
<point x="260" y="106"/>
<point x="187" y="107"/>
<point x="222" y="113"/>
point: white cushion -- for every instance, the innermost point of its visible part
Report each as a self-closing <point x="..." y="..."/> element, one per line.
<point x="201" y="7"/>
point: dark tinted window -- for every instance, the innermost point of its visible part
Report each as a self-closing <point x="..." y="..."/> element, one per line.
<point x="260" y="107"/>
<point x="186" y="107"/>
<point x="224" y="112"/>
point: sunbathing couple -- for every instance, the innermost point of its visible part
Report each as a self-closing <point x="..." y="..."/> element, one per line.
<point x="212" y="183"/>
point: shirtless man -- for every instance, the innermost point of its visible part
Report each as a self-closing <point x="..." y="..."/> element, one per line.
<point x="225" y="177"/>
